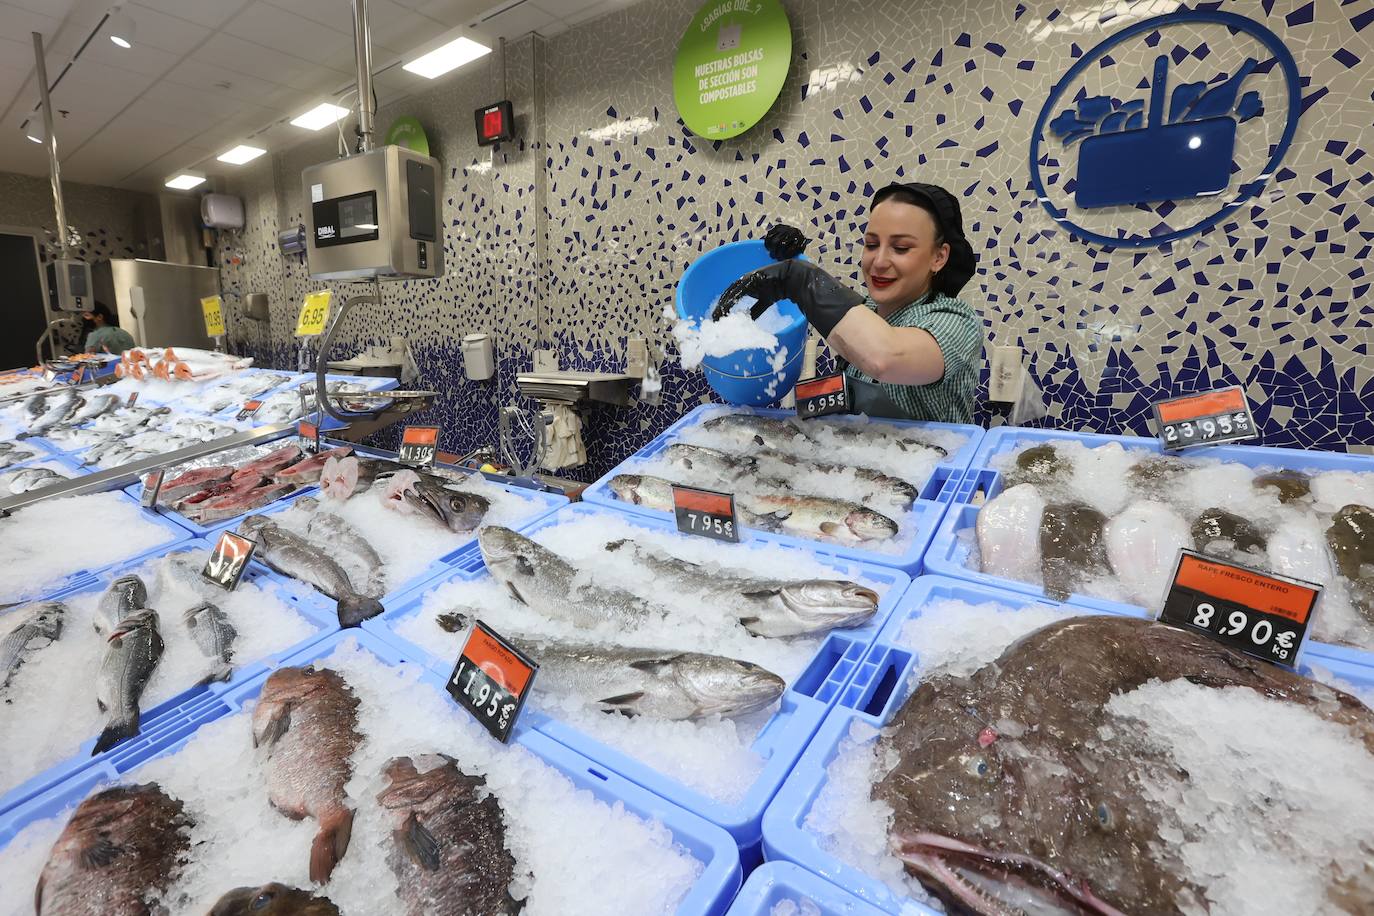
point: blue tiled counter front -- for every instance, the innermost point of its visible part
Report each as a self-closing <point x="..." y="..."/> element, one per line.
<point x="781" y="740"/>
<point x="925" y="513"/>
<point x="947" y="553"/>
<point x="710" y="895"/>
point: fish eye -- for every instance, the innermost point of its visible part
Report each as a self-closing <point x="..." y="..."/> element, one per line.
<point x="1104" y="816"/>
<point x="977" y="766"/>
<point x="261" y="900"/>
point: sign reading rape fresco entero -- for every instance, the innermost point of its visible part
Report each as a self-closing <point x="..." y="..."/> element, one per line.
<point x="731" y="64"/>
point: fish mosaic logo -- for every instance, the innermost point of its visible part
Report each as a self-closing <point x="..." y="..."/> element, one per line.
<point x="1165" y="128"/>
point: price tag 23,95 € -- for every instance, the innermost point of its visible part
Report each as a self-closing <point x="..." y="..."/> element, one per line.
<point x="705" y="512"/>
<point x="1205" y="419"/>
<point x="1258" y="613"/>
<point x="491" y="680"/>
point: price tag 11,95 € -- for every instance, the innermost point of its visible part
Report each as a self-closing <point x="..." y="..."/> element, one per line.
<point x="491" y="680"/>
<point x="1258" y="613"/>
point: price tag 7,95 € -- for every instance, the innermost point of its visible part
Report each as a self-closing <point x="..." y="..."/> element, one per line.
<point x="1259" y="613"/>
<point x="491" y="680"/>
<point x="314" y="313"/>
<point x="1205" y="419"/>
<point x="705" y="512"/>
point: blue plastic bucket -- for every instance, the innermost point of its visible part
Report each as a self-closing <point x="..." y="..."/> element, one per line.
<point x="742" y="377"/>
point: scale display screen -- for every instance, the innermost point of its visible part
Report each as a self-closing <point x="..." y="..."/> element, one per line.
<point x="341" y="220"/>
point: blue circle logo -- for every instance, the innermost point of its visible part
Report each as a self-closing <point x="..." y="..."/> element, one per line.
<point x="1144" y="135"/>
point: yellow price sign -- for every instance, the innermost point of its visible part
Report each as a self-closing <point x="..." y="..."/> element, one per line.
<point x="214" y="316"/>
<point x="314" y="313"/>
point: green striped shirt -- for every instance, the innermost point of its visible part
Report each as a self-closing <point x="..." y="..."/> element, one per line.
<point x="958" y="331"/>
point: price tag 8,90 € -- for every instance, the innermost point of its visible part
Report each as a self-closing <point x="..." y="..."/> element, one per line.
<point x="1259" y="613"/>
<point x="827" y="394"/>
<point x="214" y="316"/>
<point x="705" y="512"/>
<point x="418" y="445"/>
<point x="1205" y="419"/>
<point x="309" y="435"/>
<point x="314" y="313"/>
<point x="228" y="560"/>
<point x="491" y="680"/>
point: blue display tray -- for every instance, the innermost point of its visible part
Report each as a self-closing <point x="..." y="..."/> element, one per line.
<point x="780" y="742"/>
<point x="877" y="691"/>
<point x="945" y="556"/>
<point x="709" y="896"/>
<point x="925" y="513"/>
<point x="774" y="883"/>
<point x="158" y="720"/>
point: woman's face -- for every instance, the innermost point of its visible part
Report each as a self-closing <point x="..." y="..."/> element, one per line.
<point x="900" y="255"/>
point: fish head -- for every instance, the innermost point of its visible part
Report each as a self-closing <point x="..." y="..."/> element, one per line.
<point x="826" y="603"/>
<point x="715" y="685"/>
<point x="130" y="589"/>
<point x="511" y="557"/>
<point x="455" y="509"/>
<point x="867" y="525"/>
<point x="626" y="487"/>
<point x="145" y="619"/>
<point x="411" y="781"/>
<point x="272" y="900"/>
<point x="48" y="618"/>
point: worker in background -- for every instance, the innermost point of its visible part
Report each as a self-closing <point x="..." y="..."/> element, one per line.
<point x="910" y="348"/>
<point x="105" y="336"/>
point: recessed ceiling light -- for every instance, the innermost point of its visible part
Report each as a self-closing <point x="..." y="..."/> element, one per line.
<point x="241" y="154"/>
<point x="322" y="115"/>
<point x="184" y="181"/>
<point x="446" y="57"/>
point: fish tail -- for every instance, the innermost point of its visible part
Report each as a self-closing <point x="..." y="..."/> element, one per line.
<point x="354" y="609"/>
<point x="116" y="732"/>
<point x="330" y="844"/>
<point x="221" y="673"/>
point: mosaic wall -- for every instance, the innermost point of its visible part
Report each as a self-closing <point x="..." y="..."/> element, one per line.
<point x="575" y="236"/>
<point x="105" y="222"/>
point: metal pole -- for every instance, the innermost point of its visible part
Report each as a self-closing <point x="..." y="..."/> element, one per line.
<point x="50" y="140"/>
<point x="362" y="43"/>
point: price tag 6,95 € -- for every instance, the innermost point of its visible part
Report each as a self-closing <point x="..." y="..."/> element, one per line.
<point x="491" y="680"/>
<point x="1259" y="613"/>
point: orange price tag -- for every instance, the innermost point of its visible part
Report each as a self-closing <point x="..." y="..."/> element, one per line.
<point x="418" y="445"/>
<point x="228" y="560"/>
<point x="1259" y="613"/>
<point x="491" y="680"/>
<point x="705" y="512"/>
<point x="1205" y="419"/>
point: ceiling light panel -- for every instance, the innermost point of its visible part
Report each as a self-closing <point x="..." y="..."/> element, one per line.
<point x="241" y="154"/>
<point x="447" y="57"/>
<point x="322" y="115"/>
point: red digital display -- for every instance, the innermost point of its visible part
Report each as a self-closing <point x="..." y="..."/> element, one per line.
<point x="494" y="123"/>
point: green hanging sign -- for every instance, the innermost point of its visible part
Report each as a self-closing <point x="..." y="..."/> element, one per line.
<point x="407" y="133"/>
<point x="731" y="64"/>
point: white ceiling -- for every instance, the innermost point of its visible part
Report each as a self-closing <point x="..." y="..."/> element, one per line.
<point x="204" y="75"/>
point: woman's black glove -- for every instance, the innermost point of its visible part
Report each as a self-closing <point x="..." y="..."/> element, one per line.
<point x="821" y="298"/>
<point x="783" y="242"/>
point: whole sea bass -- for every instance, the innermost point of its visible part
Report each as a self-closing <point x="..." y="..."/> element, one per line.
<point x="1017" y="791"/>
<point x="765" y="607"/>
<point x="294" y="556"/>
<point x="448" y="840"/>
<point x="345" y="541"/>
<point x="306" y="721"/>
<point x="41" y="629"/>
<point x="539" y="578"/>
<point x="117" y="855"/>
<point x="214" y="635"/>
<point x="659" y="683"/>
<point x="132" y="653"/>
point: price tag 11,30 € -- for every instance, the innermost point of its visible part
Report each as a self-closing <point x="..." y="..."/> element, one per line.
<point x="228" y="560"/>
<point x="705" y="512"/>
<point x="418" y="445"/>
<point x="1256" y="612"/>
<point x="491" y="680"/>
<point x="1205" y="419"/>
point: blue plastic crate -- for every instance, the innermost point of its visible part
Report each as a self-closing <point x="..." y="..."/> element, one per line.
<point x="546" y="503"/>
<point x="780" y="742"/>
<point x="945" y="556"/>
<point x="925" y="513"/>
<point x="373" y="382"/>
<point x="175" y="535"/>
<point x="777" y="882"/>
<point x="157" y="720"/>
<point x="710" y="896"/>
<point x="877" y="691"/>
<point x="59" y="461"/>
